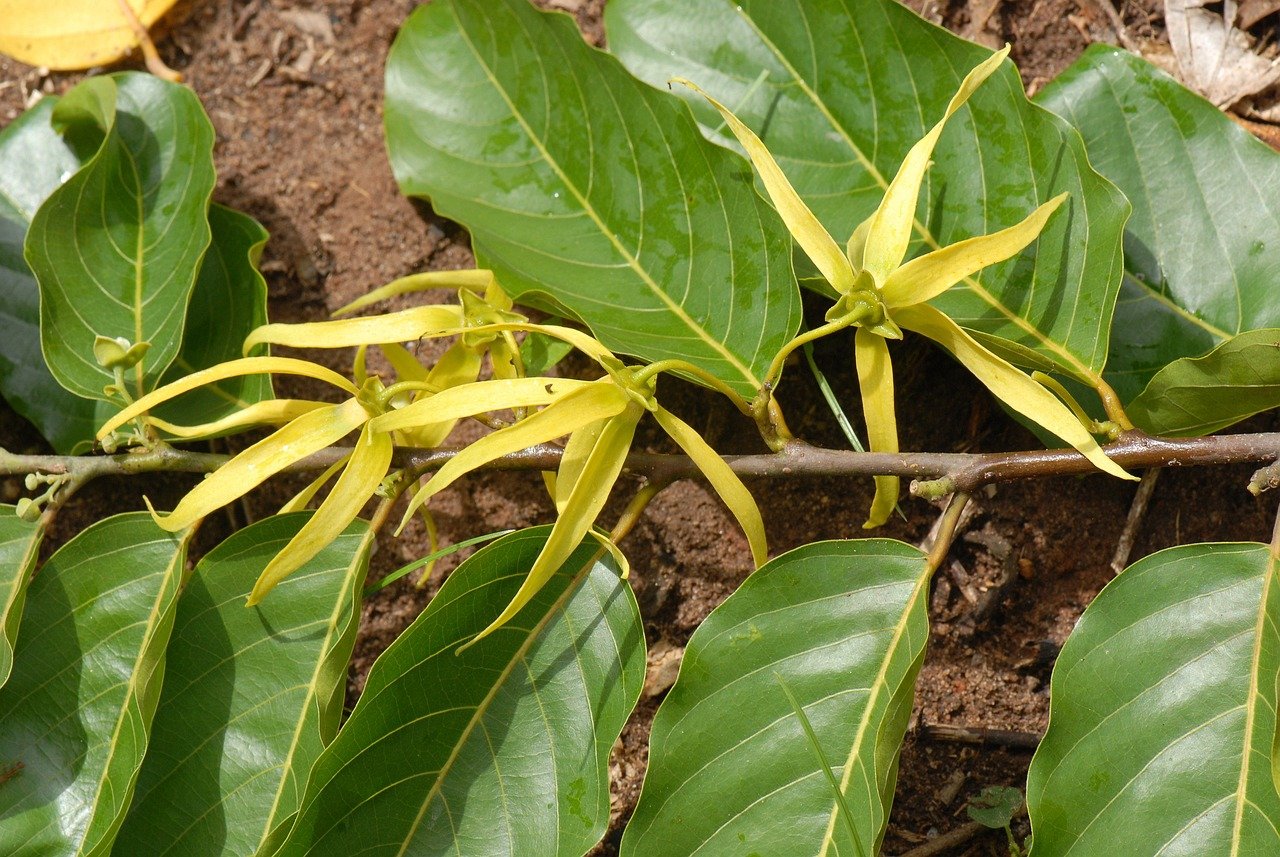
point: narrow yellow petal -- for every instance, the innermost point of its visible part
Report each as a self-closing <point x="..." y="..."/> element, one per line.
<point x="480" y="397"/>
<point x="300" y="500"/>
<point x="408" y="367"/>
<point x="598" y="475"/>
<point x="457" y="366"/>
<point x="309" y="433"/>
<point x="925" y="277"/>
<point x="477" y="280"/>
<point x="584" y="342"/>
<point x="809" y="233"/>
<point x="856" y="247"/>
<point x="359" y="365"/>
<point x="403" y="326"/>
<point x="230" y="369"/>
<point x="875" y="382"/>
<point x="1008" y="383"/>
<point x="576" y="452"/>
<point x="504" y="356"/>
<point x="361" y="477"/>
<point x="569" y="413"/>
<point x="624" y="565"/>
<point x="890" y="227"/>
<point x="723" y="480"/>
<point x="270" y="412"/>
<point x="433" y="545"/>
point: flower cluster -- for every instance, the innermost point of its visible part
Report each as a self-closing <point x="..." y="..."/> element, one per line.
<point x="420" y="408"/>
<point x="881" y="296"/>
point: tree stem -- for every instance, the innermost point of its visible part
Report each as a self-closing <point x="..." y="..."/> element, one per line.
<point x="938" y="472"/>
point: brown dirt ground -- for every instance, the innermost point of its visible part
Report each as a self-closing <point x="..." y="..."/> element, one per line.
<point x="299" y="146"/>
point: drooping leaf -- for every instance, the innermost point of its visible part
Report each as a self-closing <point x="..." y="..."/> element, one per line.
<point x="34" y="160"/>
<point x="585" y="189"/>
<point x="731" y="770"/>
<point x="228" y="301"/>
<point x="76" y="713"/>
<point x="1198" y="395"/>
<point x="19" y="542"/>
<point x="250" y="697"/>
<point x="75" y="33"/>
<point x="499" y="749"/>
<point x="116" y="248"/>
<point x="1202" y="250"/>
<point x="1163" y="713"/>
<point x="839" y="90"/>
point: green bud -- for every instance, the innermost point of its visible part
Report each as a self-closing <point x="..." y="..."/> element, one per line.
<point x="28" y="510"/>
<point x="32" y="482"/>
<point x="118" y="353"/>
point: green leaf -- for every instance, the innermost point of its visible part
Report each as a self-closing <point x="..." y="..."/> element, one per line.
<point x="1196" y="396"/>
<point x="19" y="545"/>
<point x="496" y="750"/>
<point x="77" y="710"/>
<point x="839" y="90"/>
<point x="117" y="247"/>
<point x="731" y="770"/>
<point x="250" y="697"/>
<point x="539" y="352"/>
<point x="1202" y="250"/>
<point x="229" y="300"/>
<point x="995" y="806"/>
<point x="584" y="186"/>
<point x="34" y="160"/>
<point x="1163" y="712"/>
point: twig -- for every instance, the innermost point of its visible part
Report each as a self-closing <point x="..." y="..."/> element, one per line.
<point x="155" y="65"/>
<point x="947" y="472"/>
<point x="1137" y="511"/>
<point x="1265" y="479"/>
<point x="952" y="838"/>
<point x="1117" y="23"/>
<point x="977" y="736"/>
<point x="944" y="529"/>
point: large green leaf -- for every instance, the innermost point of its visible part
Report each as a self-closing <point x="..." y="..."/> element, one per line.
<point x="731" y="770"/>
<point x="34" y="160"/>
<point x="76" y="713"/>
<point x="250" y="697"/>
<point x="1199" y="395"/>
<point x="116" y="247"/>
<point x="229" y="300"/>
<point x="1202" y="250"/>
<point x="588" y="189"/>
<point x="19" y="544"/>
<point x="839" y="90"/>
<point x="1163" y="712"/>
<point x="496" y="750"/>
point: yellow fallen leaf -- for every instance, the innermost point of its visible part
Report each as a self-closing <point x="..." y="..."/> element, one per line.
<point x="73" y="34"/>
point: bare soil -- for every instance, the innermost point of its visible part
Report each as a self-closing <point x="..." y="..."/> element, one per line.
<point x="296" y="102"/>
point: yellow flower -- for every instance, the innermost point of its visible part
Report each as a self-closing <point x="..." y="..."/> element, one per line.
<point x="881" y="296"/>
<point x="600" y="419"/>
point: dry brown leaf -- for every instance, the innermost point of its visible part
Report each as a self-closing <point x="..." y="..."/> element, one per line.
<point x="72" y="34"/>
<point x="310" y="23"/>
<point x="1253" y="11"/>
<point x="1216" y="58"/>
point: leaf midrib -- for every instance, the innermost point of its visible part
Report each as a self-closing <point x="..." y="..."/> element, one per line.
<point x="880" y="682"/>
<point x="1252" y="701"/>
<point x="1169" y="304"/>
<point x="131" y="686"/>
<point x="925" y="234"/>
<point x="517" y="657"/>
<point x="296" y="739"/>
<point x="628" y="257"/>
